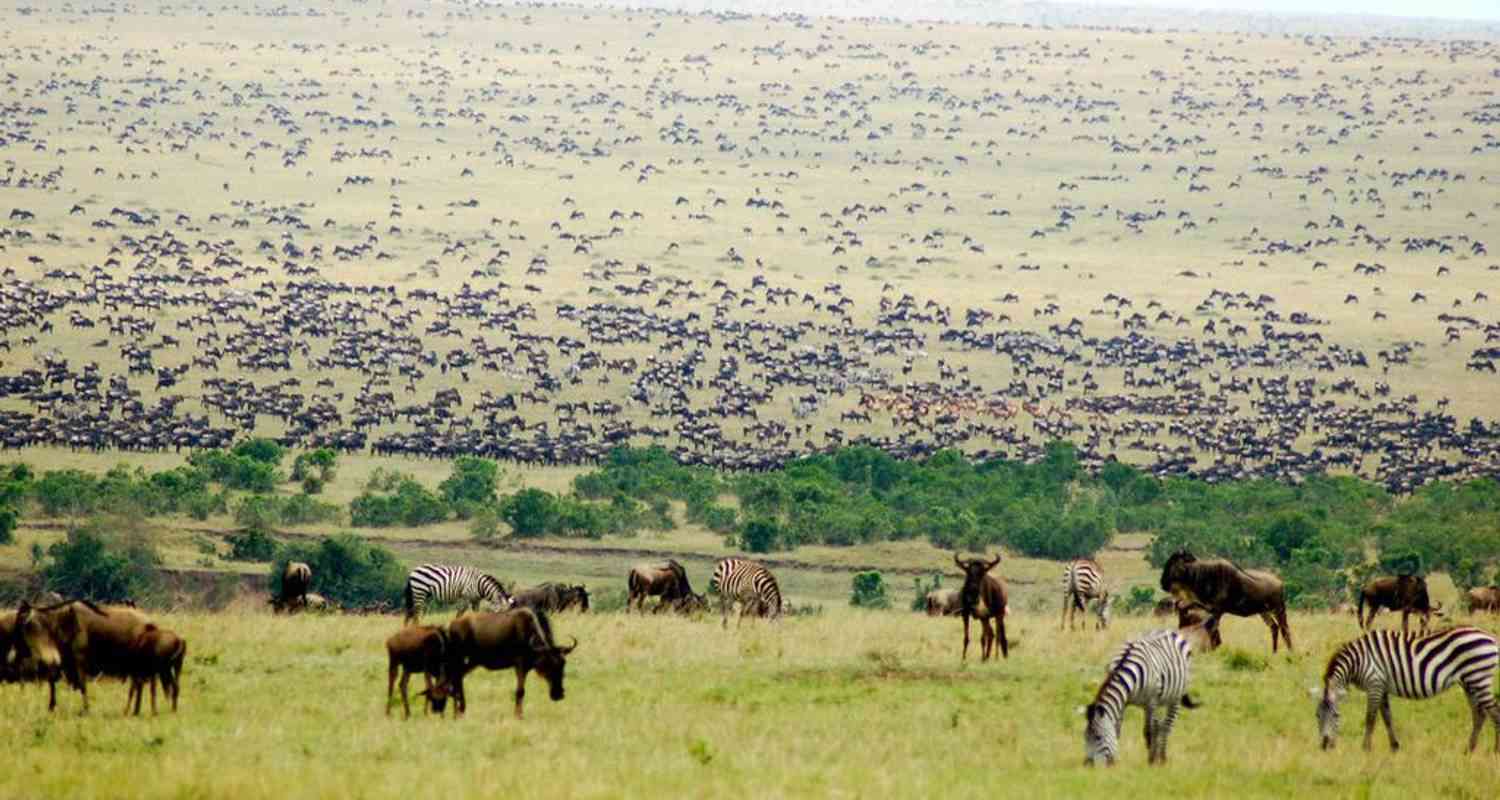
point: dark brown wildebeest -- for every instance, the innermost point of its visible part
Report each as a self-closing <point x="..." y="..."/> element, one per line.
<point x="1224" y="588"/>
<point x="1483" y="598"/>
<point x="943" y="603"/>
<point x="983" y="597"/>
<point x="667" y="580"/>
<point x="519" y="638"/>
<point x="417" y="648"/>
<point x="553" y="597"/>
<point x="296" y="579"/>
<point x="1404" y="593"/>
<point x="685" y="605"/>
<point x="157" y="655"/>
<point x="76" y="640"/>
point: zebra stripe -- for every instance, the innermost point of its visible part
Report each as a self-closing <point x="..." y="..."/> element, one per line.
<point x="1151" y="672"/>
<point x="1082" y="581"/>
<point x="1385" y="663"/>
<point x="443" y="583"/>
<point x="748" y="583"/>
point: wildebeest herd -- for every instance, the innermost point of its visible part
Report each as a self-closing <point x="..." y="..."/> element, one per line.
<point x="496" y="629"/>
<point x="758" y="262"/>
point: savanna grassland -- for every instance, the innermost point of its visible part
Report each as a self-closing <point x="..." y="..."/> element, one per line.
<point x="848" y="704"/>
<point x="407" y="231"/>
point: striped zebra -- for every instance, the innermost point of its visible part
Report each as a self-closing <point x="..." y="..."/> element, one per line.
<point x="748" y="583"/>
<point x="1150" y="672"/>
<point x="1083" y="581"/>
<point x="1384" y="663"/>
<point x="443" y="583"/>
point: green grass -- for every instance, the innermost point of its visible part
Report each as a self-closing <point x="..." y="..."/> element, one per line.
<point x="842" y="705"/>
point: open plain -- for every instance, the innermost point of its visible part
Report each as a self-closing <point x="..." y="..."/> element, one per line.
<point x="408" y="231"/>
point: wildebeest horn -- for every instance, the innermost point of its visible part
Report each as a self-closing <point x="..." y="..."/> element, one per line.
<point x="959" y="562"/>
<point x="569" y="648"/>
<point x="992" y="564"/>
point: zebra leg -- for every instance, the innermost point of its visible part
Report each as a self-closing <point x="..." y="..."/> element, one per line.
<point x="1164" y="730"/>
<point x="1479" y="716"/>
<point x="1067" y="606"/>
<point x="1150" y="733"/>
<point x="1390" y="729"/>
<point x="724" y="603"/>
<point x="1376" y="700"/>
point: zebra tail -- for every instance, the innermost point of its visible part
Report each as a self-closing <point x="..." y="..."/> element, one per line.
<point x="411" y="602"/>
<point x="1189" y="702"/>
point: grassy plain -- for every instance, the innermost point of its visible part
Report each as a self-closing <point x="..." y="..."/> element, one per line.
<point x="847" y="704"/>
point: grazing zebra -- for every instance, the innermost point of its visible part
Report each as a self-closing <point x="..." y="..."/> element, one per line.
<point x="1150" y="672"/>
<point x="1417" y="667"/>
<point x="748" y="583"/>
<point x="442" y="583"/>
<point x="1083" y="581"/>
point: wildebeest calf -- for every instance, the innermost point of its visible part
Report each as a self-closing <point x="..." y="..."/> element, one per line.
<point x="418" y="648"/>
<point x="156" y="655"/>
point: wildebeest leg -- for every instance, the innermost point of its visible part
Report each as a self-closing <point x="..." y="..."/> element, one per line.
<point x="133" y="694"/>
<point x="1286" y="629"/>
<point x="390" y="686"/>
<point x="966" y="638"/>
<point x="1390" y="729"/>
<point x="1000" y="634"/>
<point x="1270" y="621"/>
<point x="405" y="702"/>
<point x="153" y="696"/>
<point x="169" y="681"/>
<point x="456" y="690"/>
<point x="520" y="689"/>
<point x="1406" y="615"/>
<point x="986" y="639"/>
<point x="52" y="695"/>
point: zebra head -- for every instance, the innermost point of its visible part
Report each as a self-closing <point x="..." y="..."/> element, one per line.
<point x="490" y="589"/>
<point x="1103" y="606"/>
<point x="1328" y="717"/>
<point x="1101" y="736"/>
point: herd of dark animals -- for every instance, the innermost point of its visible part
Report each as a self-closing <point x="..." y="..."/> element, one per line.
<point x="77" y="640"/>
<point x="199" y="327"/>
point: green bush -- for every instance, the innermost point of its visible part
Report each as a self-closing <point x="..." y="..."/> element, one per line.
<point x="1139" y="600"/>
<point x="266" y="451"/>
<point x="104" y="567"/>
<point x="472" y="484"/>
<point x="412" y="505"/>
<point x="347" y="570"/>
<point x="869" y="591"/>
<point x="529" y="512"/>
<point x="254" y="544"/>
<point x="760" y="535"/>
<point x="484" y="524"/>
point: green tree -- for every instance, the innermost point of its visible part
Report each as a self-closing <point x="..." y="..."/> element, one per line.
<point x="471" y="484"/>
<point x="869" y="591"/>
<point x="529" y="512"/>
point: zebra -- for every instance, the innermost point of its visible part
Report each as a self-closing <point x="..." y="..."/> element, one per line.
<point x="1417" y="667"/>
<point x="1150" y="672"/>
<point x="1083" y="581"/>
<point x="443" y="583"/>
<point x="750" y="584"/>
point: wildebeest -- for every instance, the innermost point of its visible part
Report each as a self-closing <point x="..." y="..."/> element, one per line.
<point x="1224" y="588"/>
<point x="667" y="580"/>
<point x="519" y="638"/>
<point x="1404" y="593"/>
<point x="943" y="603"/>
<point x="553" y="597"/>
<point x="417" y="648"/>
<point x="983" y="597"/>
<point x="1483" y="598"/>
<point x="157" y="655"/>
<point x="687" y="604"/>
<point x="77" y="640"/>
<point x="296" y="579"/>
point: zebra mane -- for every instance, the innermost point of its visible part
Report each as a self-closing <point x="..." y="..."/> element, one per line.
<point x="1118" y="663"/>
<point x="487" y="580"/>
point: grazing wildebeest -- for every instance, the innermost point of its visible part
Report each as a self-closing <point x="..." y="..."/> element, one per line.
<point x="1386" y="663"/>
<point x="944" y="603"/>
<point x="417" y="648"/>
<point x="519" y="638"/>
<point x="553" y="597"/>
<point x="157" y="655"/>
<point x="77" y="640"/>
<point x="667" y="580"/>
<point x="1224" y="588"/>
<point x="296" y="579"/>
<point x="1151" y="672"/>
<point x="983" y="597"/>
<point x="1483" y="598"/>
<point x="1404" y="593"/>
<point x="1193" y="617"/>
<point x="686" y="605"/>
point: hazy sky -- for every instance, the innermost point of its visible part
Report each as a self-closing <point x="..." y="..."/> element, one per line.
<point x="1450" y="9"/>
